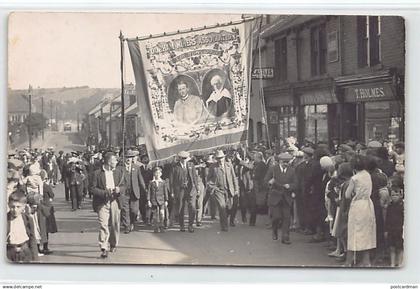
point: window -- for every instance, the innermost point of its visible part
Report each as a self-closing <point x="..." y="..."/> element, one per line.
<point x="316" y="123"/>
<point x="319" y="50"/>
<point x="287" y="121"/>
<point x="369" y="37"/>
<point x="280" y="48"/>
<point x="132" y="99"/>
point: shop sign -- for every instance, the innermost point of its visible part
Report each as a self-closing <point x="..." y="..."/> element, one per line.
<point x="323" y="96"/>
<point x="332" y="46"/>
<point x="273" y="117"/>
<point x="263" y="73"/>
<point x="368" y="92"/>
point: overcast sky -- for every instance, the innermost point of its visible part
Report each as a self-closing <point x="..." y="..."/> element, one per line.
<point x="75" y="49"/>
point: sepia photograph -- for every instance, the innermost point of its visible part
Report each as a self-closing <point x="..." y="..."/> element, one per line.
<point x="263" y="140"/>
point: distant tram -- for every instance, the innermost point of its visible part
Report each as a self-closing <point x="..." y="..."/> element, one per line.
<point x="67" y="126"/>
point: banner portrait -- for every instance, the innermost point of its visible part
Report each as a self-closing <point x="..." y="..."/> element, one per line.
<point x="193" y="88"/>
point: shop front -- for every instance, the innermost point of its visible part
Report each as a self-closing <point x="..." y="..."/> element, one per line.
<point x="281" y="116"/>
<point x="317" y="115"/>
<point x="372" y="111"/>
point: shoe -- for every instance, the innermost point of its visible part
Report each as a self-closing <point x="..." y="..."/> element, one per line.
<point x="104" y="254"/>
<point x="47" y="252"/>
<point x="244" y="220"/>
<point x="131" y="227"/>
<point x="113" y="249"/>
<point x="156" y="230"/>
<point x="191" y="229"/>
<point x="286" y="241"/>
<point x="182" y="229"/>
<point x="232" y="224"/>
<point x="225" y="229"/>
<point x="127" y="231"/>
<point x="334" y="254"/>
<point x="316" y="239"/>
<point x="162" y="230"/>
<point x="73" y="210"/>
<point x="308" y="232"/>
<point x="275" y="235"/>
<point x="199" y="224"/>
<point x="79" y="207"/>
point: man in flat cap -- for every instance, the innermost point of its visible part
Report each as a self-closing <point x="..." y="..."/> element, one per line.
<point x="223" y="186"/>
<point x="184" y="185"/>
<point x="135" y="187"/>
<point x="281" y="180"/>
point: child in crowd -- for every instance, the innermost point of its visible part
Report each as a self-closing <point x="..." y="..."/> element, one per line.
<point x="46" y="216"/>
<point x="157" y="199"/>
<point x="21" y="241"/>
<point x="394" y="221"/>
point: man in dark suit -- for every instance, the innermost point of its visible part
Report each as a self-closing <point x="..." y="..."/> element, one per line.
<point x="108" y="188"/>
<point x="281" y="179"/>
<point x="134" y="189"/>
<point x="223" y="186"/>
<point x="184" y="181"/>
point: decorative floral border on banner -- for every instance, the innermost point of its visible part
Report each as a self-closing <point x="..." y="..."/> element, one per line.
<point x="211" y="65"/>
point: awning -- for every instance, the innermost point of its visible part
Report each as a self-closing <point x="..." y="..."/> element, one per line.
<point x="288" y="22"/>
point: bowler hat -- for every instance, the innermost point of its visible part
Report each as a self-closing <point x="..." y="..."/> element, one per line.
<point x="285" y="157"/>
<point x="184" y="154"/>
<point x="131" y="154"/>
<point x="219" y="154"/>
<point x="374" y="144"/>
<point x="399" y="144"/>
<point x="345" y="148"/>
<point x="308" y="150"/>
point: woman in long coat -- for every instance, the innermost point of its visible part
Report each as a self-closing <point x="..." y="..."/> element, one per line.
<point x="361" y="221"/>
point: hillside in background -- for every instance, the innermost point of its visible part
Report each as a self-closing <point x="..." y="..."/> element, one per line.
<point x="67" y="101"/>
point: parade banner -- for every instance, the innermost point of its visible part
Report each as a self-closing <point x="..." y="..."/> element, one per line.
<point x="193" y="88"/>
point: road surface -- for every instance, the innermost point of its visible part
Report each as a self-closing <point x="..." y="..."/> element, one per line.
<point x="76" y="241"/>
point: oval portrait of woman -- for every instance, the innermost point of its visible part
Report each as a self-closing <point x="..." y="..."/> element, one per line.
<point x="217" y="93"/>
<point x="184" y="99"/>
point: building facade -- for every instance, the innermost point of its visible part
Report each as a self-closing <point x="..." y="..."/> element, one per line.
<point x="335" y="77"/>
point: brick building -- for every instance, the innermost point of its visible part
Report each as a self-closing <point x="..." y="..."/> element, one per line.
<point x="333" y="77"/>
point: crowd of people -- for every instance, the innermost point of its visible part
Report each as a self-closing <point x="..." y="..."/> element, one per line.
<point x="349" y="195"/>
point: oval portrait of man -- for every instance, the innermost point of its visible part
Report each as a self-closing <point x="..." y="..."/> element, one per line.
<point x="184" y="100"/>
<point x="217" y="93"/>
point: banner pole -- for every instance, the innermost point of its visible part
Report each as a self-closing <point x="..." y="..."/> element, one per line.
<point x="122" y="95"/>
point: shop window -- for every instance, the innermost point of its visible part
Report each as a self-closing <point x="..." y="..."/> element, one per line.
<point x="369" y="40"/>
<point x="287" y="122"/>
<point x="316" y="123"/>
<point x="383" y="121"/>
<point x="319" y="50"/>
<point x="280" y="48"/>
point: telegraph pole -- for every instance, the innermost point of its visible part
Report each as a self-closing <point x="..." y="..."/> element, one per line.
<point x="42" y="112"/>
<point x="77" y="121"/>
<point x="51" y="114"/>
<point x="30" y="116"/>
<point x="110" y="124"/>
<point x="56" y="118"/>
